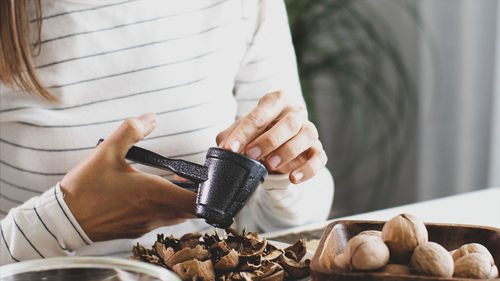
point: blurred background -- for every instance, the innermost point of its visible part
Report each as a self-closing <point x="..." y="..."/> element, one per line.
<point x="405" y="93"/>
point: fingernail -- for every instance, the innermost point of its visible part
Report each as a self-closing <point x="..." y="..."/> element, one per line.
<point x="274" y="161"/>
<point x="147" y="119"/>
<point x="254" y="152"/>
<point x="298" y="176"/>
<point x="235" y="146"/>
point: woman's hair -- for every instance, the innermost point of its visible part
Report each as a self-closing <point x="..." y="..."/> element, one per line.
<point x="17" y="48"/>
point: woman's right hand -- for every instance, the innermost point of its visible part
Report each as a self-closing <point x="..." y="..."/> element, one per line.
<point x="111" y="200"/>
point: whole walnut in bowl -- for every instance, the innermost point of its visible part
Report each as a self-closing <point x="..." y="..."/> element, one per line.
<point x="403" y="234"/>
<point x="432" y="259"/>
<point x="341" y="262"/>
<point x="371" y="233"/>
<point x="470" y="248"/>
<point x="475" y="265"/>
<point x="366" y="252"/>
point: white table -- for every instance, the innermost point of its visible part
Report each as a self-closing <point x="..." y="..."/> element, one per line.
<point x="473" y="208"/>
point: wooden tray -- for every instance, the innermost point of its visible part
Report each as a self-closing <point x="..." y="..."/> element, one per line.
<point x="450" y="236"/>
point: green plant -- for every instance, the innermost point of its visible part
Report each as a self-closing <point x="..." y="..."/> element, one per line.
<point x="345" y="49"/>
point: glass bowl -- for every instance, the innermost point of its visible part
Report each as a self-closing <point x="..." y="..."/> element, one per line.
<point x="85" y="269"/>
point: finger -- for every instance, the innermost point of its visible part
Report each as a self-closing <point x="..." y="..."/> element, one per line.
<point x="288" y="127"/>
<point x="317" y="160"/>
<point x="164" y="222"/>
<point x="307" y="137"/>
<point x="268" y="109"/>
<point x="162" y="213"/>
<point x="294" y="164"/>
<point x="130" y="131"/>
<point x="222" y="136"/>
<point x="168" y="194"/>
<point x="179" y="178"/>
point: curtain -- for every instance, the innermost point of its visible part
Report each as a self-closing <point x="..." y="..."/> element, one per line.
<point x="494" y="179"/>
<point x="458" y="143"/>
<point x="451" y="50"/>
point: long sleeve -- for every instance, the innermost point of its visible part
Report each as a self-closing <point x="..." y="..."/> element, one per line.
<point x="42" y="227"/>
<point x="279" y="204"/>
<point x="179" y="59"/>
<point x="270" y="65"/>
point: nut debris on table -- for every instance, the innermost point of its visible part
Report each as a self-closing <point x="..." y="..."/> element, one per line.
<point x="234" y="257"/>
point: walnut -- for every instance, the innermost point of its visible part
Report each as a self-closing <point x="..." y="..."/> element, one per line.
<point x="471" y="248"/>
<point x="402" y="234"/>
<point x="493" y="272"/>
<point x="341" y="262"/>
<point x="475" y="265"/>
<point x="396" y="269"/>
<point x="432" y="259"/>
<point x="366" y="252"/>
<point x="371" y="232"/>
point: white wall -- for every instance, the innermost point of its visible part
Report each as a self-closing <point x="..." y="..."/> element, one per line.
<point x="456" y="93"/>
<point x="494" y="179"/>
<point x="455" y="61"/>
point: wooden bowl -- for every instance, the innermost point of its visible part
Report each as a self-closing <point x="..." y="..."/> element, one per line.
<point x="450" y="236"/>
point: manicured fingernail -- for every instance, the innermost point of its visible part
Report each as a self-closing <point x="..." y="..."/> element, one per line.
<point x="254" y="152"/>
<point x="147" y="119"/>
<point x="274" y="161"/>
<point x="297" y="176"/>
<point x="235" y="146"/>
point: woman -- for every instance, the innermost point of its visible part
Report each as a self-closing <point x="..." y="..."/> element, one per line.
<point x="199" y="66"/>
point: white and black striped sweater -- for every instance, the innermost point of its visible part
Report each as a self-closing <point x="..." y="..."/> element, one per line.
<point x="197" y="64"/>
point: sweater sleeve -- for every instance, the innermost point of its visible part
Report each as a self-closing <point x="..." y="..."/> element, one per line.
<point x="270" y="65"/>
<point x="279" y="204"/>
<point x="42" y="227"/>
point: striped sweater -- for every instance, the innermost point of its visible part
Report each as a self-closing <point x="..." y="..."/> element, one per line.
<point x="198" y="64"/>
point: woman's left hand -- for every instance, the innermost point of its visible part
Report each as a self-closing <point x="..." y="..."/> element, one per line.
<point x="278" y="133"/>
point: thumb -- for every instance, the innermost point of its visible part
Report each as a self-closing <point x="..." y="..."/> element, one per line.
<point x="130" y="131"/>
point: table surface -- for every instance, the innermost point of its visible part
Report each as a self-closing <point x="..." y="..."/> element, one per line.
<point x="473" y="208"/>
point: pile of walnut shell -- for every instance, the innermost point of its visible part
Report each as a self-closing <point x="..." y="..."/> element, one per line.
<point x="402" y="248"/>
<point x="234" y="257"/>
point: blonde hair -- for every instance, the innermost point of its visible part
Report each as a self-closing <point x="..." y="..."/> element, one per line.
<point x="16" y="49"/>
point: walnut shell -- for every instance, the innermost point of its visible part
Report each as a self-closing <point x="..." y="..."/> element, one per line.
<point x="403" y="234"/>
<point x="432" y="259"/>
<point x="366" y="252"/>
<point x="195" y="270"/>
<point x="475" y="265"/>
<point x="341" y="262"/>
<point x="494" y="272"/>
<point x="396" y="269"/>
<point x="471" y="248"/>
<point x="371" y="232"/>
